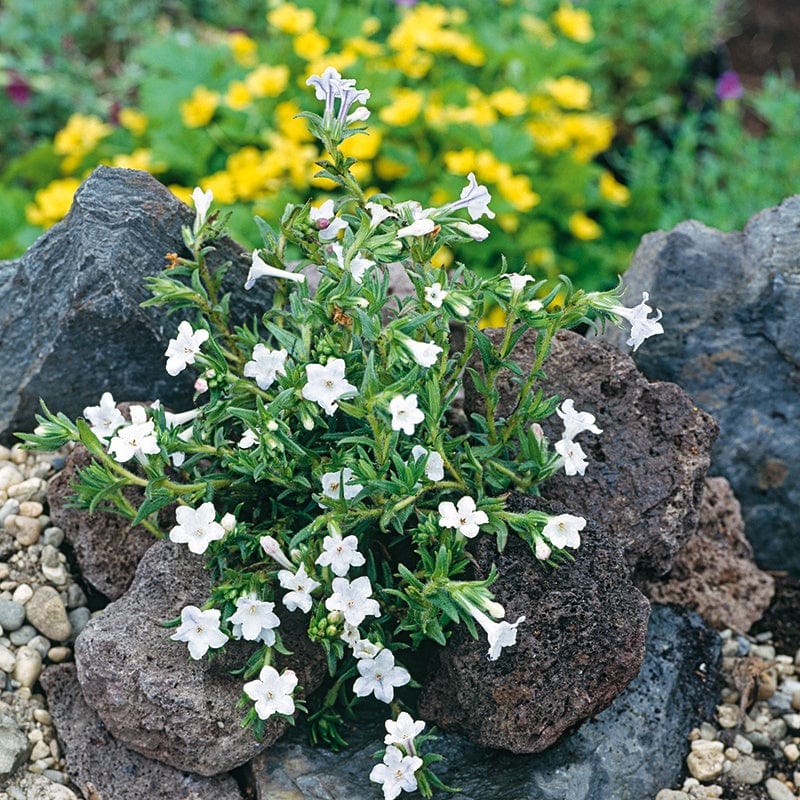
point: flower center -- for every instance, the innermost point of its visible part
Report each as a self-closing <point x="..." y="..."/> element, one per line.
<point x="329" y="384"/>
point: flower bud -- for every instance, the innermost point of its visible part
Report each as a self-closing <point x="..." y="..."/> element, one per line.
<point x="331" y="631"/>
<point x="495" y="609"/>
<point x="334" y="617"/>
<point x="228" y="522"/>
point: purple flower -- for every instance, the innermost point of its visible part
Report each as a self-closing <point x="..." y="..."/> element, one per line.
<point x="18" y="89"/>
<point x="729" y="87"/>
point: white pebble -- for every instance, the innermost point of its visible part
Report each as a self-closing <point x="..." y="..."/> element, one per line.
<point x="18" y="455"/>
<point x="10" y="476"/>
<point x="40" y="750"/>
<point x="778" y="791"/>
<point x="42" y="715"/>
<point x="28" y="666"/>
<point x="22" y="594"/>
<point x="743" y="745"/>
<point x="7" y="660"/>
<point x="792" y="752"/>
<point x="706" y="760"/>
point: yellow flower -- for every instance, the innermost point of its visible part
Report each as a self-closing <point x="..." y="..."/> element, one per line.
<point x="439" y="197"/>
<point x="404" y="108"/>
<point x="238" y="96"/>
<point x="311" y="45"/>
<point x="183" y="193"/>
<point x="253" y="172"/>
<point x="496" y="318"/>
<point x="138" y="159"/>
<point x="538" y="28"/>
<point x="199" y="109"/>
<point x="613" y="191"/>
<point x="575" y="23"/>
<point x="362" y="146"/>
<point x="413" y="63"/>
<point x="362" y="171"/>
<point x="267" y="81"/>
<point x="133" y="120"/>
<point x="51" y="203"/>
<point x="390" y="170"/>
<point x="508" y="222"/>
<point x="460" y="162"/>
<point x="542" y="257"/>
<point x="549" y="133"/>
<point x="289" y="124"/>
<point x="221" y="185"/>
<point x="244" y="48"/>
<point x="480" y="109"/>
<point x="488" y="168"/>
<point x="77" y="138"/>
<point x="340" y="61"/>
<point x="509" y="102"/>
<point x="442" y="258"/>
<point x="583" y="227"/>
<point x="591" y="133"/>
<point x="360" y="46"/>
<point x="370" y="26"/>
<point x="569" y="92"/>
<point x="517" y="190"/>
<point x="290" y="19"/>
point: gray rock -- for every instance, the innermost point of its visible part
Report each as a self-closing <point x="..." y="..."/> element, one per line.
<point x="746" y="769"/>
<point x="78" y="618"/>
<point x="628" y="752"/>
<point x="23" y="635"/>
<point x="70" y="309"/>
<point x="94" y="757"/>
<point x="582" y="642"/>
<point x="778" y="791"/>
<point x="46" y="612"/>
<point x="14" y="746"/>
<point x="151" y="696"/>
<point x="730" y="304"/>
<point x="646" y="470"/>
<point x="12" y="615"/>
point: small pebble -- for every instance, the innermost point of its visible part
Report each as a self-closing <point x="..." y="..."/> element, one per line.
<point x="40" y="750"/>
<point x="778" y="791"/>
<point x="765" y="651"/>
<point x="728" y="715"/>
<point x="46" y="612"/>
<point x="747" y="770"/>
<point x="7" y="660"/>
<point x="793" y="721"/>
<point x="706" y="760"/>
<point x="31" y="508"/>
<point x="743" y="745"/>
<point x="42" y="715"/>
<point x="40" y="645"/>
<point x="12" y="615"/>
<point x="670" y="794"/>
<point x="22" y="594"/>
<point x="18" y="455"/>
<point x="28" y="666"/>
<point x="75" y="596"/>
<point x="731" y="753"/>
<point x="776" y="729"/>
<point x="792" y="752"/>
<point x="24" y="529"/>
<point x="58" y="654"/>
<point x="8" y="508"/>
<point x="53" y="536"/>
<point x="10" y="476"/>
<point x="30" y="489"/>
<point x="23" y="635"/>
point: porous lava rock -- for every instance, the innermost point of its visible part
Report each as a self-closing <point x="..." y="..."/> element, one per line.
<point x="714" y="573"/>
<point x="645" y="476"/>
<point x="71" y="322"/>
<point x="731" y="305"/>
<point x="147" y="691"/>
<point x="96" y="761"/>
<point x="581" y="643"/>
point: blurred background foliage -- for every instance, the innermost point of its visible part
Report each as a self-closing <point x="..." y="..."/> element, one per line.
<point x="591" y="123"/>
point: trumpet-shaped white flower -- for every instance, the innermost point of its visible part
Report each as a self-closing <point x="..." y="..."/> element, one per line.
<point x="340" y="554"/>
<point x="475" y="231"/>
<point x="419" y="219"/>
<point x="434" y="466"/>
<point x="475" y="198"/>
<point x="396" y="773"/>
<point x="196" y="528"/>
<point x="564" y="530"/>
<point x="379" y="676"/>
<point x="419" y="227"/>
<point x="517" y="282"/>
<point x="364" y="648"/>
<point x="358" y="267"/>
<point x="265" y="365"/>
<point x="426" y="354"/>
<point x="405" y="414"/>
<point x="327" y="222"/>
<point x="271" y="546"/>
<point x="182" y="350"/>
<point x="499" y="634"/>
<point x="354" y="599"/>
<point x="325" y="385"/>
<point x="339" y="484"/>
<point x="249" y="438"/>
<point x="642" y="325"/>
<point x="200" y="629"/>
<point x="401" y="732"/>
<point x="575" y="422"/>
<point x="331" y="86"/>
<point x="104" y="419"/>
<point x="272" y="692"/>
<point x="435" y="295"/>
<point x="137" y="439"/>
<point x="202" y="203"/>
<point x="465" y="517"/>
<point x="378" y="214"/>
<point x="300" y="586"/>
<point x="572" y="455"/>
<point x="260" y="269"/>
<point x="254" y="620"/>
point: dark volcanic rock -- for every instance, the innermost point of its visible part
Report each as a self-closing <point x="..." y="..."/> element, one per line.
<point x="95" y="758"/>
<point x="627" y="752"/>
<point x="70" y="320"/>
<point x="151" y="696"/>
<point x="645" y="476"/>
<point x="731" y="303"/>
<point x="581" y="644"/>
<point x="106" y="548"/>
<point x="714" y="574"/>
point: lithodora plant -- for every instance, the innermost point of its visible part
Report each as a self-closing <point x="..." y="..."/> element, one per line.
<point x="318" y="472"/>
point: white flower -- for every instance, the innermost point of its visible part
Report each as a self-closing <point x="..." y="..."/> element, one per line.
<point x="265" y="365"/>
<point x="329" y="87"/>
<point x="418" y="217"/>
<point x="405" y="414"/>
<point x="325" y="385"/>
<point x="300" y="586"/>
<point x="464" y="517"/>
<point x="499" y="634"/>
<point x="338" y="484"/>
<point x="202" y="202"/>
<point x="435" y="295"/>
<point x="256" y="619"/>
<point x="434" y="466"/>
<point x="475" y="231"/>
<point x="424" y="353"/>
<point x="564" y="530"/>
<point x="534" y="305"/>
<point x="181" y="351"/>
<point x="260" y="269"/>
<point x="420" y="227"/>
<point x="340" y="554"/>
<point x="364" y="648"/>
<point x="517" y="282"/>
<point x="396" y="773"/>
<point x="379" y="676"/>
<point x="353" y="599"/>
<point x="200" y="629"/>
<point x="475" y="198"/>
<point x="196" y="527"/>
<point x="105" y="418"/>
<point x="137" y="439"/>
<point x="327" y="222"/>
<point x="642" y="326"/>
<point x="350" y="635"/>
<point x="272" y="692"/>
<point x="575" y="461"/>
<point x="378" y="214"/>
<point x="271" y="546"/>
<point x="358" y="266"/>
<point x="402" y="731"/>
<point x="575" y="422"/>
<point x="249" y="438"/>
